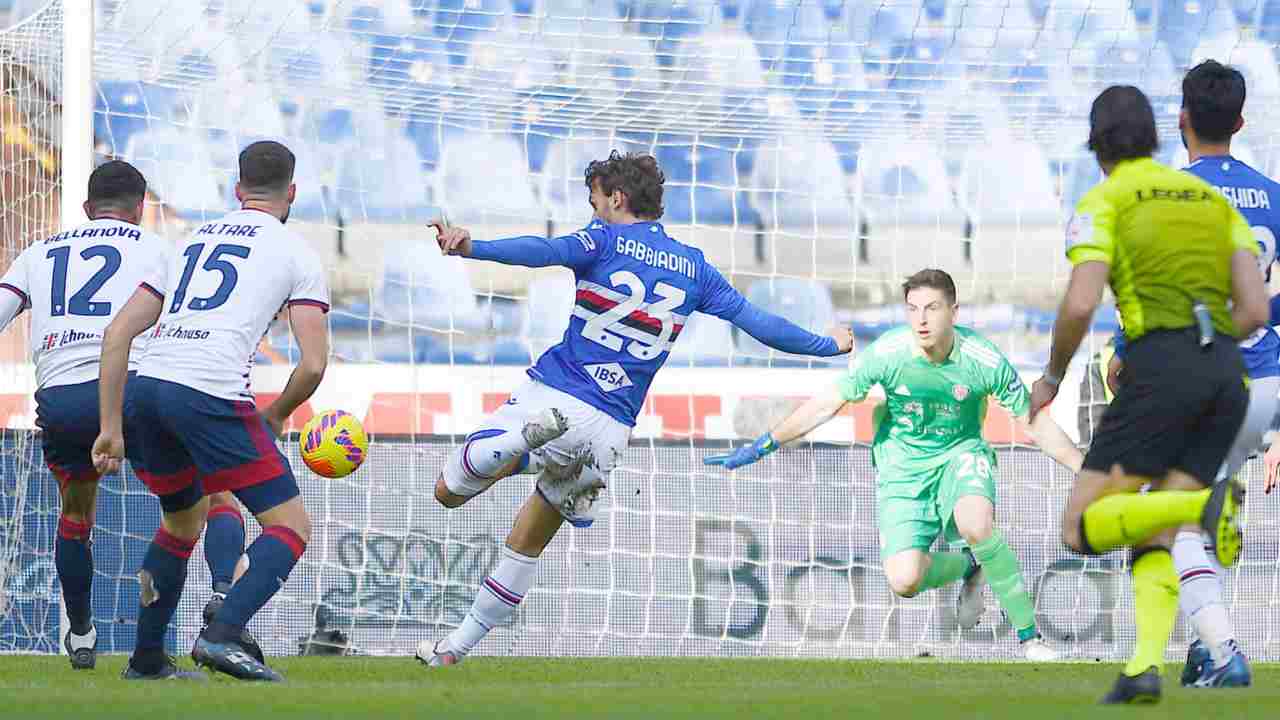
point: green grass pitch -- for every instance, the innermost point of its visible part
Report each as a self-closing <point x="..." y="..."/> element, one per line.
<point x="516" y="689"/>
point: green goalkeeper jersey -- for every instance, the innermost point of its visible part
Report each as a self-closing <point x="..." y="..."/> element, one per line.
<point x="932" y="411"/>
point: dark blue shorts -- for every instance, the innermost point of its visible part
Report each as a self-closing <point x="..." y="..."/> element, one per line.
<point x="68" y="415"/>
<point x="185" y="444"/>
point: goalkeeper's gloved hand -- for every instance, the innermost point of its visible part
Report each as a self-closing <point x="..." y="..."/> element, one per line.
<point x="744" y="455"/>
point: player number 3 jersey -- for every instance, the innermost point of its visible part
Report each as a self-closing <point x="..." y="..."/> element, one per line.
<point x="221" y="290"/>
<point x="932" y="411"/>
<point x="74" y="283"/>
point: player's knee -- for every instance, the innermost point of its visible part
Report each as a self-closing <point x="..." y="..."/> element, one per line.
<point x="974" y="530"/>
<point x="904" y="579"/>
<point x="445" y="497"/>
<point x="299" y="521"/>
<point x="78" y="502"/>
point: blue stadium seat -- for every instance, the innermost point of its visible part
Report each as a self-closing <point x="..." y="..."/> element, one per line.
<point x="668" y="23"/>
<point x="354" y="317"/>
<point x="384" y="182"/>
<point x="906" y="183"/>
<point x="705" y="341"/>
<point x="1269" y="21"/>
<point x="820" y="74"/>
<point x="702" y="185"/>
<point x="804" y="302"/>
<point x="179" y="169"/>
<point x="771" y="23"/>
<point x="483" y="177"/>
<point x="920" y="65"/>
<point x="548" y="307"/>
<point x="536" y="139"/>
<point x="460" y="22"/>
<point x="124" y="108"/>
<point x="423" y="289"/>
<point x="801" y="185"/>
<point x="560" y="180"/>
<point x="403" y="64"/>
<point x="1184" y="24"/>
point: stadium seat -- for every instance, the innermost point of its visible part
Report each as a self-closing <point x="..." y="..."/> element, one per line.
<point x="1269" y="21"/>
<point x="805" y="303"/>
<point x="824" y="75"/>
<point x="384" y="182"/>
<point x="906" y="182"/>
<point x="424" y="289"/>
<point x="722" y="66"/>
<point x="179" y="170"/>
<point x="771" y="23"/>
<point x="460" y="22"/>
<point x="354" y="317"/>
<point x="702" y="184"/>
<point x="669" y="23"/>
<point x="124" y="108"/>
<point x="801" y="185"/>
<point x="1184" y="24"/>
<point x="483" y="177"/>
<point x="413" y="66"/>
<point x="547" y="308"/>
<point x="705" y="341"/>
<point x="561" y="180"/>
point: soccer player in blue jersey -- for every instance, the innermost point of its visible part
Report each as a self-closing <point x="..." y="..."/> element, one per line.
<point x="1212" y="100"/>
<point x="570" y="423"/>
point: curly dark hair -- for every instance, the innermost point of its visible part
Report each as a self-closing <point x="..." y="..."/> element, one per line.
<point x="1122" y="125"/>
<point x="636" y="175"/>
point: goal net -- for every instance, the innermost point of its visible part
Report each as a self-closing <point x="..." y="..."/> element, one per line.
<point x="816" y="150"/>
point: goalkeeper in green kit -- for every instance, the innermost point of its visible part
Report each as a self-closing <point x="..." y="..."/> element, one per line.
<point x="936" y="473"/>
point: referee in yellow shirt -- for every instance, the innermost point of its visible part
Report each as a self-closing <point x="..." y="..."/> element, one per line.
<point x="1182" y="265"/>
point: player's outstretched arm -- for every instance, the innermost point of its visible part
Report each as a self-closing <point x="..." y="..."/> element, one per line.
<point x="783" y="335"/>
<point x="311" y="330"/>
<point x="813" y="413"/>
<point x="526" y="250"/>
<point x="140" y="313"/>
<point x="1052" y="440"/>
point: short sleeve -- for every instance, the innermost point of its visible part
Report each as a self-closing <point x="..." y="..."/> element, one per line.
<point x="1007" y="388"/>
<point x="15" y="281"/>
<point x="1091" y="231"/>
<point x="719" y="298"/>
<point x="866" y="374"/>
<point x="310" y="282"/>
<point x="155" y="272"/>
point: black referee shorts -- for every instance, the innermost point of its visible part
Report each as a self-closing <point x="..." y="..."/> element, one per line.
<point x="1179" y="408"/>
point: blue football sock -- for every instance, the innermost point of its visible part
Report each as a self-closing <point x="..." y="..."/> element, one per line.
<point x="164" y="573"/>
<point x="223" y="544"/>
<point x="271" y="557"/>
<point x="74" y="559"/>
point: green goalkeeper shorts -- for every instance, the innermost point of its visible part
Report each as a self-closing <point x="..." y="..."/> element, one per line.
<point x="914" y="510"/>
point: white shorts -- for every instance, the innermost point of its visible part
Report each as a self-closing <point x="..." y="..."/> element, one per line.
<point x="575" y="466"/>
<point x="1262" y="408"/>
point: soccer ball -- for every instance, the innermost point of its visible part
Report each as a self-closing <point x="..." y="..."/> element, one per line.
<point x="333" y="444"/>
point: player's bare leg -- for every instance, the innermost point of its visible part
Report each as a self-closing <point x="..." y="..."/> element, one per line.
<point x="503" y="590"/>
<point x="492" y="454"/>
<point x="73" y="556"/>
<point x="975" y="520"/>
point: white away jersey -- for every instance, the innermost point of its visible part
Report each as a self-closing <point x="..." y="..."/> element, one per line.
<point x="74" y="283"/>
<point x="224" y="285"/>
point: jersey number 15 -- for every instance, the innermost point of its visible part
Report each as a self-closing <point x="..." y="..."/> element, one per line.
<point x="214" y="263"/>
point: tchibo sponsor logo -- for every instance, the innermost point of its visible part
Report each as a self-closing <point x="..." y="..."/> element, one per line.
<point x="68" y="337"/>
<point x="177" y="332"/>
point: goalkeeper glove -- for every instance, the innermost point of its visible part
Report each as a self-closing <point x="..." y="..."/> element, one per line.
<point x="744" y="455"/>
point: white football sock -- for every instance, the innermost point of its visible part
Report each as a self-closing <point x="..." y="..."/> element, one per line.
<point x="483" y="458"/>
<point x="1200" y="594"/>
<point x="500" y="594"/>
